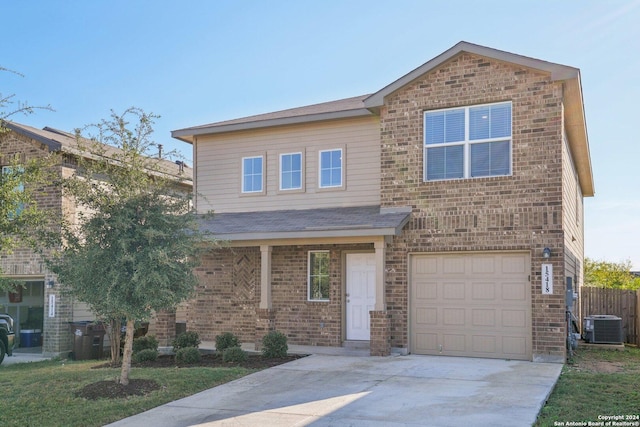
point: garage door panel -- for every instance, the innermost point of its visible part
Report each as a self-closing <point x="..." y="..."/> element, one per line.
<point x="515" y="264"/>
<point x="483" y="317"/>
<point x="426" y="343"/>
<point x="483" y="265"/>
<point x="471" y="305"/>
<point x="454" y="342"/>
<point x="484" y="344"/>
<point x="454" y="291"/>
<point x="453" y="265"/>
<point x="513" y="291"/>
<point x="514" y="346"/>
<point x="514" y="318"/>
<point x="427" y="316"/>
<point x="453" y="316"/>
<point x="483" y="291"/>
<point x="426" y="265"/>
<point x="426" y="290"/>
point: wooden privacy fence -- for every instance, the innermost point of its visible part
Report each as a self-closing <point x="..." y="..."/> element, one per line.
<point x="618" y="302"/>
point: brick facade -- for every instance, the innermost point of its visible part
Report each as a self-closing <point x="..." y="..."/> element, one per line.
<point x="27" y="265"/>
<point x="518" y="212"/>
<point x="380" y="333"/>
<point x="228" y="296"/>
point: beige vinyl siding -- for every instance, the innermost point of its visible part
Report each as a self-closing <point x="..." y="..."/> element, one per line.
<point x="572" y="216"/>
<point x="219" y="157"/>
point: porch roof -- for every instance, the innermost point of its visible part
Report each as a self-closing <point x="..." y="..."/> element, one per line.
<point x="309" y="223"/>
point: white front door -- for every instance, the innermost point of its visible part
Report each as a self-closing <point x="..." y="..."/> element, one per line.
<point x="361" y="294"/>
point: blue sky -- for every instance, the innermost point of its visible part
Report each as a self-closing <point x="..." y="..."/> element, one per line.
<point x="196" y="62"/>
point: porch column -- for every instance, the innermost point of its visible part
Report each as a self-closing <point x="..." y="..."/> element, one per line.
<point x="265" y="276"/>
<point x="379" y="246"/>
<point x="380" y="320"/>
<point x="265" y="318"/>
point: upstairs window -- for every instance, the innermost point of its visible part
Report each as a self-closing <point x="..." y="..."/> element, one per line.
<point x="252" y="175"/>
<point x="291" y="171"/>
<point x="331" y="168"/>
<point x="8" y="173"/>
<point x="467" y="142"/>
<point x="318" y="280"/>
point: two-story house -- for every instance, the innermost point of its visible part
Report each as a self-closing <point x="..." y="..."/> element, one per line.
<point x="42" y="304"/>
<point x="422" y="218"/>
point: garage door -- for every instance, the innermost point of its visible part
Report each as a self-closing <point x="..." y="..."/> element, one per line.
<point x="476" y="305"/>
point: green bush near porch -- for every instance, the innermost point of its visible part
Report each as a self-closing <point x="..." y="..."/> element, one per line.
<point x="274" y="344"/>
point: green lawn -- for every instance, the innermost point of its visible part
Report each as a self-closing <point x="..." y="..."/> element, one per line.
<point x="596" y="383"/>
<point x="42" y="393"/>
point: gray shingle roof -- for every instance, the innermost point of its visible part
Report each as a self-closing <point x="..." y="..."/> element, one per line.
<point x="58" y="140"/>
<point x="309" y="223"/>
<point x="342" y="108"/>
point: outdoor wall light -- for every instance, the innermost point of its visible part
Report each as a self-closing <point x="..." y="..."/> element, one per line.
<point x="546" y="253"/>
<point x="50" y="283"/>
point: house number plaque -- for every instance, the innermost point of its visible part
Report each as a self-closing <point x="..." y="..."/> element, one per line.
<point x="52" y="305"/>
<point x="547" y="279"/>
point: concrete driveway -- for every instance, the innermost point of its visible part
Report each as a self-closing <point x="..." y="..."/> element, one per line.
<point x="322" y="390"/>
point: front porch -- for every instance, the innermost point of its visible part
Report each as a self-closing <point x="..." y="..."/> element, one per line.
<point x="266" y="277"/>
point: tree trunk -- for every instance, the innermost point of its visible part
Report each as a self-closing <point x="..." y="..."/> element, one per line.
<point x="126" y="355"/>
<point x="114" y="337"/>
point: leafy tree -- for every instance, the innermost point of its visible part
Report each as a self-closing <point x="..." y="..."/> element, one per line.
<point x="20" y="216"/>
<point x="604" y="274"/>
<point x="134" y="245"/>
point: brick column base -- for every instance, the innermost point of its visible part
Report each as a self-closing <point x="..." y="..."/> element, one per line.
<point x="265" y="323"/>
<point x="380" y="333"/>
<point x="165" y="327"/>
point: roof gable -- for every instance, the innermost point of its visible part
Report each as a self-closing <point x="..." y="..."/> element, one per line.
<point x="557" y="71"/>
<point x="574" y="116"/>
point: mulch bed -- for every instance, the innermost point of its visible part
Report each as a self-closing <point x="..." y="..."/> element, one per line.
<point x="137" y="387"/>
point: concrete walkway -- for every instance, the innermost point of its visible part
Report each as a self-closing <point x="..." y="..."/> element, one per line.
<point x="334" y="390"/>
<point x="24" y="355"/>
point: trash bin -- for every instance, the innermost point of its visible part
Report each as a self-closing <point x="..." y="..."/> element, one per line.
<point x="30" y="337"/>
<point x="88" y="340"/>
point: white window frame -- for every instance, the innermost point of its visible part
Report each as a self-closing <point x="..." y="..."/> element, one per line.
<point x="310" y="276"/>
<point x="243" y="176"/>
<point x="467" y="143"/>
<point x="291" y="189"/>
<point x="342" y="168"/>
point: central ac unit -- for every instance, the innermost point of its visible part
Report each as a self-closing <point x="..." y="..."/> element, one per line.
<point x="603" y="329"/>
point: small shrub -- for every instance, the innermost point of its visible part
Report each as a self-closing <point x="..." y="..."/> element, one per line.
<point x="187" y="356"/>
<point x="145" y="355"/>
<point x="186" y="339"/>
<point x="145" y="343"/>
<point x="234" y="354"/>
<point x="225" y="341"/>
<point x="274" y="344"/>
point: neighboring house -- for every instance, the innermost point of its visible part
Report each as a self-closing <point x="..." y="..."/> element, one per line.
<point x="414" y="219"/>
<point x="42" y="305"/>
